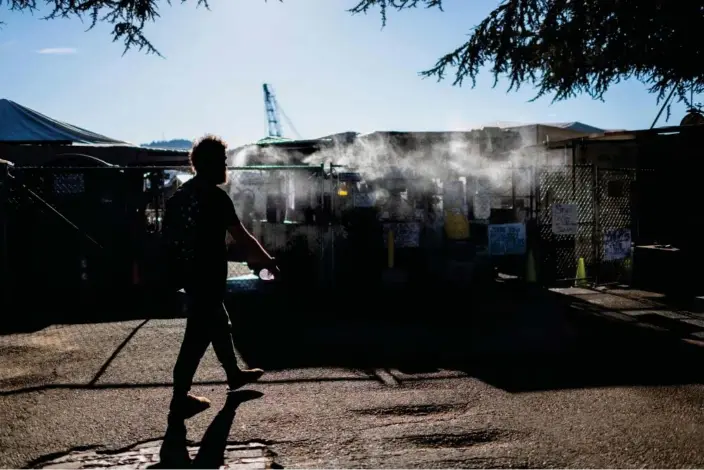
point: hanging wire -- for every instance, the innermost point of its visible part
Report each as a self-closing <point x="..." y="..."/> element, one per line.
<point x="56" y="212"/>
<point x="288" y="121"/>
<point x="664" y="105"/>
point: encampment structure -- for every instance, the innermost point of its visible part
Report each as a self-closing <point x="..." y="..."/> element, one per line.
<point x="30" y="138"/>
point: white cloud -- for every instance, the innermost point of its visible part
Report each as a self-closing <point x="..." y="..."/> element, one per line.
<point x="57" y="50"/>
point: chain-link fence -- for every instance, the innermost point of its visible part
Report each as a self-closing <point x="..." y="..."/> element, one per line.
<point x="616" y="223"/>
<point x="573" y="215"/>
<point x="80" y="229"/>
<point x="90" y="231"/>
<point x="559" y="250"/>
<point x="585" y="215"/>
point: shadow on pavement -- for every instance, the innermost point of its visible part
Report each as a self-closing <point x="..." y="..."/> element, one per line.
<point x="519" y="342"/>
<point x="513" y="338"/>
<point x="174" y="450"/>
<point x="45" y="311"/>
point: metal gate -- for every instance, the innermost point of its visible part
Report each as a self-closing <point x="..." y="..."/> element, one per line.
<point x="604" y="201"/>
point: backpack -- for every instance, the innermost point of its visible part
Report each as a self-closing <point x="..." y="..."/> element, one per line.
<point x="174" y="246"/>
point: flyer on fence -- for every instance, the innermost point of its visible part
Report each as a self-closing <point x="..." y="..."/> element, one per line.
<point x="617" y="244"/>
<point x="564" y="219"/>
<point x="507" y="239"/>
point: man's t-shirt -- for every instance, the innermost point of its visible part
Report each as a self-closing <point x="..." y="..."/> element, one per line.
<point x="195" y="227"/>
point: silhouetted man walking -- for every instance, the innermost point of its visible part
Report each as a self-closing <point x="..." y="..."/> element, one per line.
<point x="197" y="218"/>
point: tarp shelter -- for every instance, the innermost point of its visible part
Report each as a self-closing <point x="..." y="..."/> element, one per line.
<point x="28" y="137"/>
<point x="19" y="124"/>
<point x="102" y="224"/>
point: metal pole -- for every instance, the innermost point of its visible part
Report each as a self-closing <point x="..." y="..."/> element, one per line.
<point x="597" y="230"/>
<point x="531" y="191"/>
<point x="318" y="223"/>
<point x="573" y="200"/>
<point x="538" y="244"/>
<point x="183" y="168"/>
<point x="333" y="196"/>
<point x="513" y="186"/>
<point x="674" y="88"/>
<point x="574" y="176"/>
<point x="5" y="288"/>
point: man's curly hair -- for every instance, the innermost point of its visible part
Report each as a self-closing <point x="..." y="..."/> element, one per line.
<point x="207" y="152"/>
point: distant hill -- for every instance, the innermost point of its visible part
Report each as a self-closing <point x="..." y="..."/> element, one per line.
<point x="175" y="144"/>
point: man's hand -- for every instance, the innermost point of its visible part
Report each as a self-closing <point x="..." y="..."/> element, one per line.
<point x="270" y="265"/>
<point x="254" y="254"/>
<point x="273" y="268"/>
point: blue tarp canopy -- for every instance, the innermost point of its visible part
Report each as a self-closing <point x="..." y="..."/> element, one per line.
<point x="23" y="125"/>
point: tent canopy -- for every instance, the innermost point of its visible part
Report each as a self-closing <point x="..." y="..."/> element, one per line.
<point x="20" y="124"/>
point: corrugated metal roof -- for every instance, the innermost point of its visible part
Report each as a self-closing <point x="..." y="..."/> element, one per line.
<point x="573" y="126"/>
<point x="627" y="136"/>
<point x="272" y="140"/>
<point x="21" y="124"/>
<point x="576" y="126"/>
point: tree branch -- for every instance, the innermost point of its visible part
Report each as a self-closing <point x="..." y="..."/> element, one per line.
<point x="562" y="47"/>
<point x="384" y="5"/>
<point x="127" y="17"/>
<point x="566" y="48"/>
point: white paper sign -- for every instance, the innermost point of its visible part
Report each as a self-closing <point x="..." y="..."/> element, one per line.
<point x="617" y="244"/>
<point x="564" y="219"/>
<point x="453" y="194"/>
<point x="507" y="239"/>
<point x="482" y="205"/>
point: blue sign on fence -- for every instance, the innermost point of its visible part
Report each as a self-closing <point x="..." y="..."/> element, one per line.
<point x="507" y="239"/>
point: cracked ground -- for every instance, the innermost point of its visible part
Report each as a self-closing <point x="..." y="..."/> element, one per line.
<point x="536" y="386"/>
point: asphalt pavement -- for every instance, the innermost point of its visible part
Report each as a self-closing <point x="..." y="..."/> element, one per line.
<point x="520" y="380"/>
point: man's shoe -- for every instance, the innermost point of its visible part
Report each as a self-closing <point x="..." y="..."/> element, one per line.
<point x="244" y="377"/>
<point x="187" y="406"/>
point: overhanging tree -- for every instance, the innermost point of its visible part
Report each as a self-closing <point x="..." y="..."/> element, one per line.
<point x="562" y="47"/>
<point x="570" y="47"/>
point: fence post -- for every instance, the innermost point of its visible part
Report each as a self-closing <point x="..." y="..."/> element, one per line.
<point x="534" y="235"/>
<point x="533" y="211"/>
<point x="5" y="288"/>
<point x="513" y="186"/>
<point x="596" y="235"/>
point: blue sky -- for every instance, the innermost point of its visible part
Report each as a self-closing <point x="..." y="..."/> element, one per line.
<point x="331" y="71"/>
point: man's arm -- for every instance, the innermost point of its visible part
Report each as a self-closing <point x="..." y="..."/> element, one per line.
<point x="254" y="251"/>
